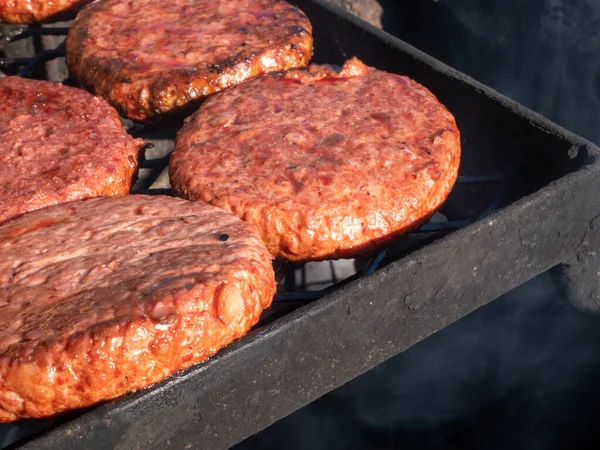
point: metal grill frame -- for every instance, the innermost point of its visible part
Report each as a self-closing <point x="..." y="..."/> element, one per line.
<point x="296" y="357"/>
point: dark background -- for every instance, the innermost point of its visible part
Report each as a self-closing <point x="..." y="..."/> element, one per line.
<point x="524" y="371"/>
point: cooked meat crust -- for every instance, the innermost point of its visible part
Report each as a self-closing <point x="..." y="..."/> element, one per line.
<point x="31" y="11"/>
<point x="102" y="296"/>
<point x="151" y="58"/>
<point x="324" y="164"/>
<point x="58" y="144"/>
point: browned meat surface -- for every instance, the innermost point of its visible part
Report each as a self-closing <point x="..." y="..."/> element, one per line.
<point x="149" y="58"/>
<point x="59" y="144"/>
<point x="325" y="165"/>
<point x="31" y="11"/>
<point x="102" y="296"/>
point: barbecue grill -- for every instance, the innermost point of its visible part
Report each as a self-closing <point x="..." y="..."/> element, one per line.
<point x="525" y="202"/>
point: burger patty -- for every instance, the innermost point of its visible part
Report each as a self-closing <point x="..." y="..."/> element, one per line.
<point x="58" y="144"/>
<point x="31" y="11"/>
<point x="324" y="164"/>
<point x="102" y="296"/>
<point x="151" y="58"/>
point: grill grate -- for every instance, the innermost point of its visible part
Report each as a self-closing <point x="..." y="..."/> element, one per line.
<point x="299" y="283"/>
<point x="307" y="348"/>
<point x="24" y="66"/>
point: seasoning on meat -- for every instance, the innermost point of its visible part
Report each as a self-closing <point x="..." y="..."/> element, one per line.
<point x="58" y="144"/>
<point x="32" y="11"/>
<point x="324" y="164"/>
<point x="155" y="58"/>
<point x="102" y="296"/>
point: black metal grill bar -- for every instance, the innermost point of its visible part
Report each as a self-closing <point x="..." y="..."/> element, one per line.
<point x="41" y="31"/>
<point x="156" y="163"/>
<point x="32" y="30"/>
<point x="42" y="57"/>
<point x="30" y="64"/>
<point x="11" y="36"/>
<point x="153" y="191"/>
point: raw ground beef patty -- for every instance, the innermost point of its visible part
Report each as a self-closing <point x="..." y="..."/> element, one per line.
<point x="31" y="11"/>
<point x="102" y="296"/>
<point x="149" y="58"/>
<point x="324" y="164"/>
<point x="58" y="144"/>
